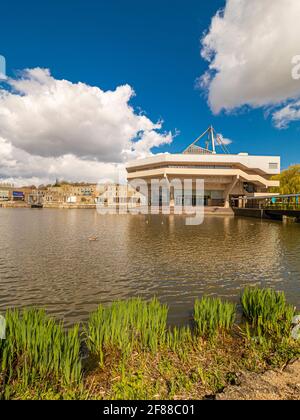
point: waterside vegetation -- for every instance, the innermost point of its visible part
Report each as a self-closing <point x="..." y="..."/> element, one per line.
<point x="127" y="350"/>
<point x="289" y="181"/>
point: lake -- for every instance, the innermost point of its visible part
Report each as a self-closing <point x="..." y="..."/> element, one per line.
<point x="46" y="260"/>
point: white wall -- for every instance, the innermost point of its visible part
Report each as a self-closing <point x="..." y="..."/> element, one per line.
<point x="251" y="162"/>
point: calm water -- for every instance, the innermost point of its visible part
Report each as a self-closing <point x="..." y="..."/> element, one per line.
<point x="47" y="261"/>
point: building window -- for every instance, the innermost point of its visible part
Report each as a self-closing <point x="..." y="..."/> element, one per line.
<point x="273" y="165"/>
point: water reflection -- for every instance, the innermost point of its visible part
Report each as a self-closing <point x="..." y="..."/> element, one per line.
<point x="46" y="259"/>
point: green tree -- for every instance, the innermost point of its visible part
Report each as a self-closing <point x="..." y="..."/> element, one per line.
<point x="289" y="181"/>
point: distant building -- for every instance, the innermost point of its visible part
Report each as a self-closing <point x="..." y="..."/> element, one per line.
<point x="37" y="196"/>
<point x="53" y="195"/>
<point x="70" y="194"/>
<point x="23" y="193"/>
<point x="114" y="195"/>
<point x="6" y="191"/>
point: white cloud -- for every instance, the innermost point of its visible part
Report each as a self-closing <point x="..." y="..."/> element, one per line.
<point x="2" y="68"/>
<point x="54" y="128"/>
<point x="287" y="114"/>
<point x="250" y="46"/>
<point x="224" y="140"/>
<point x="22" y="168"/>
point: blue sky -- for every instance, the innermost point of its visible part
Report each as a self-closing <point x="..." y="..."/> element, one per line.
<point x="154" y="46"/>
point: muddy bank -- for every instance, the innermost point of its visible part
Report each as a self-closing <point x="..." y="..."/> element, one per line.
<point x="272" y="385"/>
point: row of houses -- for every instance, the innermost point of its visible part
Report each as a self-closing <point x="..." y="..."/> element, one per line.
<point x="71" y="195"/>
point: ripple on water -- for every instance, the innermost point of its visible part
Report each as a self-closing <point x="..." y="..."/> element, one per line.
<point x="46" y="260"/>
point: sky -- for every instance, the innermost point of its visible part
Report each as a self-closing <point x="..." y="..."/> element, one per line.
<point x="92" y="84"/>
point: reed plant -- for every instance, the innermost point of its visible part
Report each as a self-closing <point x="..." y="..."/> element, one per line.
<point x="37" y="348"/>
<point x="267" y="311"/>
<point x="213" y="316"/>
<point x="179" y="340"/>
<point x="40" y="359"/>
<point x="125" y="326"/>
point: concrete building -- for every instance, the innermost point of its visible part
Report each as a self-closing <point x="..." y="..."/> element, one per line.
<point x="227" y="177"/>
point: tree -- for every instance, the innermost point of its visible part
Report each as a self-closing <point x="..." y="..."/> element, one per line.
<point x="289" y="181"/>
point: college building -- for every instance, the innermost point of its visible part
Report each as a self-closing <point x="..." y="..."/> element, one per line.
<point x="227" y="177"/>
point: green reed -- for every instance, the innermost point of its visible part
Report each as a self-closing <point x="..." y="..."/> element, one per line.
<point x="179" y="340"/>
<point x="127" y="325"/>
<point x="38" y="353"/>
<point x="37" y="348"/>
<point x="267" y="311"/>
<point x="213" y="316"/>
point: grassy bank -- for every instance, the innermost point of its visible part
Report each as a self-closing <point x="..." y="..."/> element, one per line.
<point x="126" y="351"/>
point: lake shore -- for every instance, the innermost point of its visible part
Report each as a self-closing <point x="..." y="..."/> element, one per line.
<point x="215" y="211"/>
<point x="280" y="384"/>
<point x="126" y="351"/>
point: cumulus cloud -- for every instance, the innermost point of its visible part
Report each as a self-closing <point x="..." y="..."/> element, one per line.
<point x="54" y="128"/>
<point x="250" y="46"/>
<point x="22" y="168"/>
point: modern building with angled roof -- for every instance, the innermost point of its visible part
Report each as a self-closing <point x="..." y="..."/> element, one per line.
<point x="227" y="177"/>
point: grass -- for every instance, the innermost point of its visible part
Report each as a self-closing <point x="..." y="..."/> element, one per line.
<point x="213" y="316"/>
<point x="179" y="340"/>
<point x="268" y="327"/>
<point x="132" y="354"/>
<point x="37" y="349"/>
<point x="126" y="326"/>
<point x="267" y="311"/>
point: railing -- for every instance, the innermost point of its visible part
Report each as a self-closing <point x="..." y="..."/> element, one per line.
<point x="282" y="206"/>
<point x="284" y="203"/>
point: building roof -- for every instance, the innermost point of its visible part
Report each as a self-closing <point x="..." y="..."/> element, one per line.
<point x="213" y="139"/>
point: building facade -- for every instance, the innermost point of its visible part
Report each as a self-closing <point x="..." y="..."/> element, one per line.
<point x="70" y="194"/>
<point x="5" y="192"/>
<point x="227" y="177"/>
